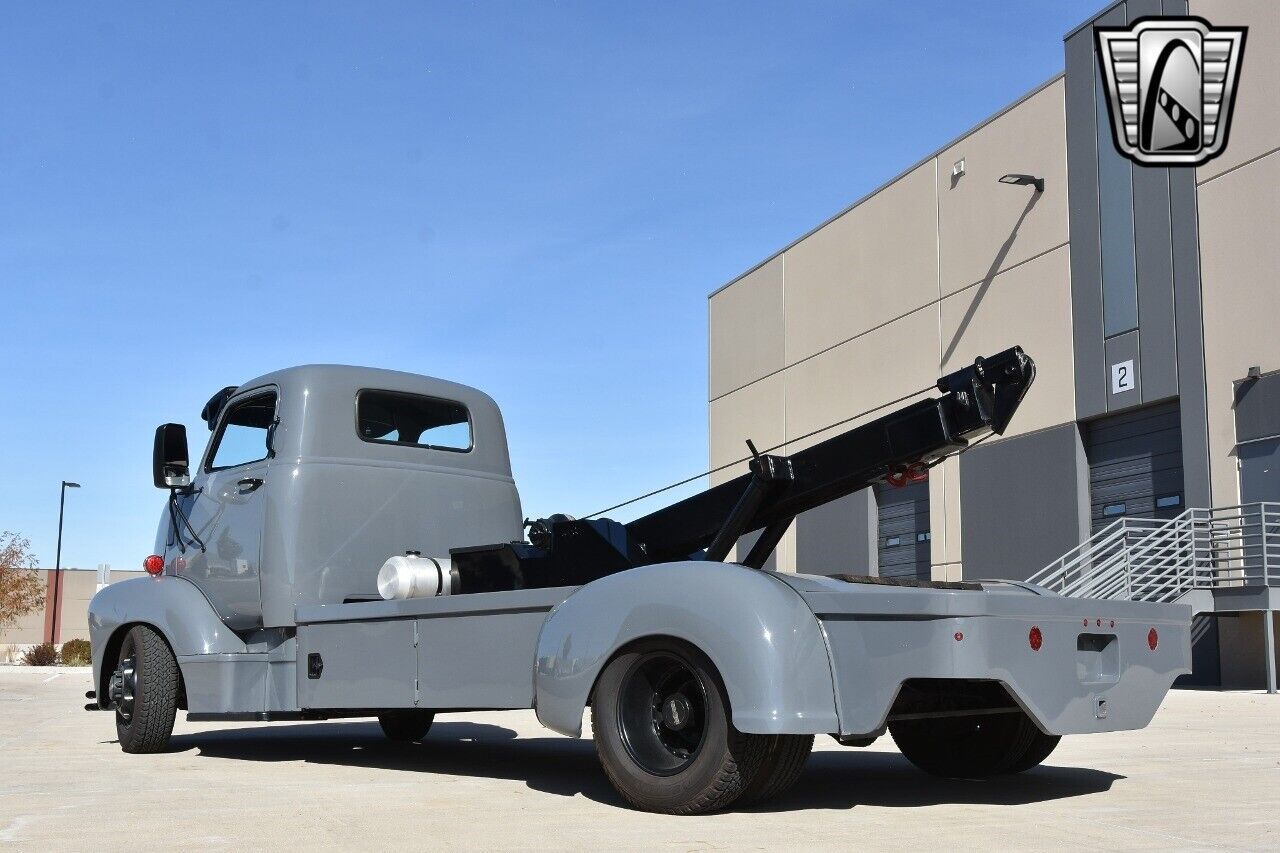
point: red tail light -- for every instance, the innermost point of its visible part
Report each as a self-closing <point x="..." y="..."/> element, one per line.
<point x="1153" y="639"/>
<point x="154" y="564"/>
<point x="1035" y="638"/>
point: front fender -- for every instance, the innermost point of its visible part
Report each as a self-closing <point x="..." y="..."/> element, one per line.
<point x="760" y="634"/>
<point x="172" y="605"/>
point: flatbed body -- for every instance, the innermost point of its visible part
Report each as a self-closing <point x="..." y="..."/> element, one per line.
<point x="844" y="652"/>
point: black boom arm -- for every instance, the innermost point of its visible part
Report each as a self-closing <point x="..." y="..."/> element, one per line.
<point x="975" y="402"/>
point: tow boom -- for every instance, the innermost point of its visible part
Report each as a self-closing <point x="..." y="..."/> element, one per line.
<point x="976" y="401"/>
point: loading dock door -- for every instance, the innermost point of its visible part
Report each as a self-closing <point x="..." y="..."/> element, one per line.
<point x="1135" y="465"/>
<point x="904" y="545"/>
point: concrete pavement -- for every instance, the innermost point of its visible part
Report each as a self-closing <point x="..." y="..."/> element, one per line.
<point x="1205" y="774"/>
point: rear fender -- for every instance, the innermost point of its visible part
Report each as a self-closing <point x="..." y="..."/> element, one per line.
<point x="763" y="639"/>
<point x="171" y="605"/>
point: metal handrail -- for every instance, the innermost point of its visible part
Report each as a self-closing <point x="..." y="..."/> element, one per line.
<point x="1160" y="560"/>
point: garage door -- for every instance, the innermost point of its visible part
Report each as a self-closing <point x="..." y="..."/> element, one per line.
<point x="1135" y="465"/>
<point x="904" y="530"/>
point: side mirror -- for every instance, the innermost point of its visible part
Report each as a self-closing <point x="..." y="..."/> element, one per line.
<point x="170" y="466"/>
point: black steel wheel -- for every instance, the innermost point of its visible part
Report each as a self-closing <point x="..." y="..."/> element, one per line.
<point x="974" y="746"/>
<point x="144" y="690"/>
<point x="663" y="733"/>
<point x="407" y="726"/>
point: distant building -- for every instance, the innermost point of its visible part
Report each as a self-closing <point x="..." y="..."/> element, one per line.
<point x="76" y="588"/>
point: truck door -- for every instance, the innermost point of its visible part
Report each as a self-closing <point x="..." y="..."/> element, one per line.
<point x="228" y="507"/>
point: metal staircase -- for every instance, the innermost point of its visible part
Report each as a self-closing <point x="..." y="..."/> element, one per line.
<point x="1220" y="559"/>
<point x="1146" y="559"/>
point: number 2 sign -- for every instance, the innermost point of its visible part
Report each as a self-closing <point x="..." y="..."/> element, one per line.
<point x="1122" y="377"/>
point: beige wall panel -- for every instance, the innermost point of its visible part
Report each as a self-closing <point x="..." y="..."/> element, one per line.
<point x="754" y="412"/>
<point x="1255" y="123"/>
<point x="30" y="629"/>
<point x="1239" y="260"/>
<point x="746" y="329"/>
<point x="78" y="589"/>
<point x="944" y="518"/>
<point x="867" y="371"/>
<point x="786" y="552"/>
<point x="1029" y="306"/>
<point x="984" y="227"/>
<point x="874" y="263"/>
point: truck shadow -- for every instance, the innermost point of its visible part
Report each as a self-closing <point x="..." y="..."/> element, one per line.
<point x="556" y="765"/>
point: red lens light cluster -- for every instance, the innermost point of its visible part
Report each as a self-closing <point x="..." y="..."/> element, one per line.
<point x="1035" y="638"/>
<point x="1153" y="639"/>
<point x="154" y="564"/>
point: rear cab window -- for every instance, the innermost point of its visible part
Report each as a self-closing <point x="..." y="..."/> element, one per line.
<point x="244" y="435"/>
<point x="413" y="420"/>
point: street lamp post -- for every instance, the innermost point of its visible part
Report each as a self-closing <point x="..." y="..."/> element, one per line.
<point x="57" y="565"/>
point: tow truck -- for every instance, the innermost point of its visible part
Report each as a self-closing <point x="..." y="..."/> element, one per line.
<point x="351" y="544"/>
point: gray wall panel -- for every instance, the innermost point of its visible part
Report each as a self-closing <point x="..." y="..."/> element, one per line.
<point x="1025" y="502"/>
<point x="1185" y="233"/>
<point x="1155" y="283"/>
<point x="1082" y="186"/>
<point x="839" y="537"/>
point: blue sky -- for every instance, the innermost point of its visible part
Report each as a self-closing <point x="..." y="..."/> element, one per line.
<point x="533" y="198"/>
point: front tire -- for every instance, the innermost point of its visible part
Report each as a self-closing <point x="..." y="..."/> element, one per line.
<point x="662" y="730"/>
<point x="144" y="689"/>
<point x="973" y="747"/>
<point x="406" y="726"/>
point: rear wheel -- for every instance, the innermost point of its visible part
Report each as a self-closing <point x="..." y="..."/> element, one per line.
<point x="1037" y="751"/>
<point x="406" y="725"/>
<point x="144" y="689"/>
<point x="662" y="730"/>
<point x="781" y="768"/>
<point x="973" y="746"/>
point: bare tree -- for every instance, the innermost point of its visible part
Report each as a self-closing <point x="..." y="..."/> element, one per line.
<point x="20" y="589"/>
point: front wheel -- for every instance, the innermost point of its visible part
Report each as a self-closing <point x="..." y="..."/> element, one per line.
<point x="662" y="731"/>
<point x="144" y="689"/>
<point x="975" y="746"/>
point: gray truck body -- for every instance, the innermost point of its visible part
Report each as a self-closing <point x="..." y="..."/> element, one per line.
<point x="272" y="619"/>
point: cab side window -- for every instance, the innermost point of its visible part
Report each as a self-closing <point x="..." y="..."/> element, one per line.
<point x="245" y="433"/>
<point x="409" y="419"/>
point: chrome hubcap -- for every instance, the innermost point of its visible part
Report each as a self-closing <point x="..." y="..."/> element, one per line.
<point x="124" y="687"/>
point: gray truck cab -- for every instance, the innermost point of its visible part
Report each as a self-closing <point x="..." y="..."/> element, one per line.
<point x="314" y="475"/>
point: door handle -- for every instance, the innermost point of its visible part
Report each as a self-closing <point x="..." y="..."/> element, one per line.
<point x="248" y="484"/>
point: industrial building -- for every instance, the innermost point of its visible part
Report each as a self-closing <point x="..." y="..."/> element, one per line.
<point x="1148" y="297"/>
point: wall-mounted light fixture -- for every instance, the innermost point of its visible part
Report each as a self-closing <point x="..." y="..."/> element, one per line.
<point x="1024" y="180"/>
<point x="957" y="168"/>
